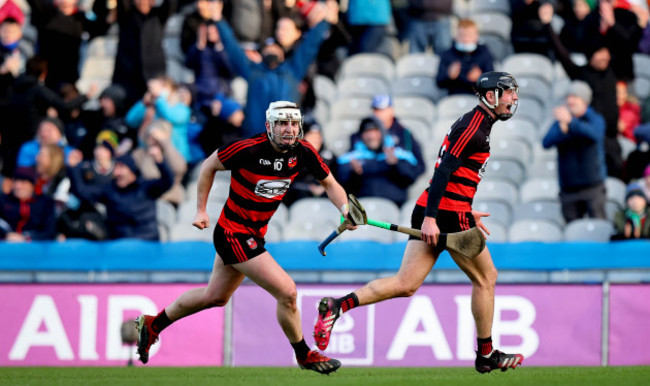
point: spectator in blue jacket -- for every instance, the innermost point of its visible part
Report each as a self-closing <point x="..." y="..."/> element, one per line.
<point x="275" y="78"/>
<point x="24" y="215"/>
<point x="376" y="167"/>
<point x="164" y="100"/>
<point x="579" y="134"/>
<point x="130" y="200"/>
<point x="461" y="65"/>
<point x="50" y="132"/>
<point x="368" y="21"/>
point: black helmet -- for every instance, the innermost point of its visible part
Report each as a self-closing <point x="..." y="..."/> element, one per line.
<point x="498" y="82"/>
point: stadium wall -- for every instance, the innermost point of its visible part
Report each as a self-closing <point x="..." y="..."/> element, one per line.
<point x="553" y="325"/>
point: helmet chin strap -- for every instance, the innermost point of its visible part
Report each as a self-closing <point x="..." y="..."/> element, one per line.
<point x="493" y="107"/>
<point x="282" y="146"/>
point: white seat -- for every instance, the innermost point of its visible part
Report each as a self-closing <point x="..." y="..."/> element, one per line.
<point x="505" y="169"/>
<point x="510" y="149"/>
<point x="174" y="25"/>
<point x="314" y="209"/>
<point x="172" y="48"/>
<point x="420" y="129"/>
<point x="641" y="65"/>
<point x="423" y="87"/>
<point x="534" y="230"/>
<point x="542" y="168"/>
<point x="336" y="134"/>
<point x="528" y="64"/>
<point x="539" y="189"/>
<point x="494" y="189"/>
<point x="453" y="106"/>
<point x="165" y="213"/>
<point x="380" y="209"/>
<point x="417" y="65"/>
<point x="539" y="210"/>
<point x="499" y="211"/>
<point x="97" y="67"/>
<point x="535" y="88"/>
<point x="493" y="23"/>
<point x="616" y="190"/>
<point x="368" y="64"/>
<point x="103" y="46"/>
<point x="515" y="128"/>
<point x="498" y="231"/>
<point x="324" y="88"/>
<point x="627" y="146"/>
<point x="307" y="230"/>
<point x="499" y="47"/>
<point x="187" y="232"/>
<point x="179" y="72"/>
<point x="532" y="110"/>
<point x="482" y="6"/>
<point x="406" y="211"/>
<point x="360" y="87"/>
<point x="274" y="232"/>
<point x="588" y="229"/>
<point x="414" y="107"/>
<point x="371" y="233"/>
<point x="351" y="108"/>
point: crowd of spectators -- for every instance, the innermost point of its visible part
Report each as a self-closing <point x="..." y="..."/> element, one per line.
<point x="94" y="162"/>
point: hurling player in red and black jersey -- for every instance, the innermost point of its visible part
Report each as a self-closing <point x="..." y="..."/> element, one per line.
<point x="262" y="168"/>
<point x="446" y="206"/>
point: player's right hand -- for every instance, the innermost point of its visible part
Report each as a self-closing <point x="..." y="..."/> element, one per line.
<point x="430" y="231"/>
<point x="201" y="220"/>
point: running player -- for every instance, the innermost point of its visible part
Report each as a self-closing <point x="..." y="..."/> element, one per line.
<point x="445" y="206"/>
<point x="262" y="168"/>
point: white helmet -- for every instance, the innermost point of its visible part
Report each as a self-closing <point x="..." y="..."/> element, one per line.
<point x="283" y="111"/>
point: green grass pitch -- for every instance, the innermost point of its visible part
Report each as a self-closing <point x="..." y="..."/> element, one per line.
<point x="284" y="376"/>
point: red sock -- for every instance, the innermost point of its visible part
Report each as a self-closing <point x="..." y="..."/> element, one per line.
<point x="485" y="346"/>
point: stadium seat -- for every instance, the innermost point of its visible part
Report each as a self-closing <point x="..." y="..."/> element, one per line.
<point x="325" y="89"/>
<point x="454" y="106"/>
<point x="281" y="214"/>
<point x="539" y="210"/>
<point x="499" y="47"/>
<point x="498" y="232"/>
<point x="172" y="48"/>
<point x="588" y="229"/>
<point x="616" y="191"/>
<point x="493" y="23"/>
<point x="174" y="25"/>
<point x="368" y="64"/>
<point x="314" y="209"/>
<point x="187" y="232"/>
<point x="532" y="110"/>
<point x="542" y="168"/>
<point x="495" y="6"/>
<point x="380" y="209"/>
<point x="611" y="208"/>
<point x="500" y="212"/>
<point x="350" y="108"/>
<point x="422" y="65"/>
<point x="371" y="233"/>
<point x="103" y="46"/>
<point x="165" y="213"/>
<point x="414" y="107"/>
<point x="627" y="146"/>
<point x="641" y="88"/>
<point x="336" y="134"/>
<point x="406" y="210"/>
<point x="307" y="230"/>
<point x="421" y="183"/>
<point x="528" y="64"/>
<point x="534" y="230"/>
<point x="98" y="68"/>
<point x="515" y="128"/>
<point x="274" y="231"/>
<point x="420" y="129"/>
<point x="535" y="88"/>
<point x="510" y="149"/>
<point x="239" y="87"/>
<point x="505" y="169"/>
<point x="360" y="87"/>
<point x="177" y="71"/>
<point x="641" y="65"/>
<point x="494" y="189"/>
<point x="422" y="87"/>
<point x="539" y="189"/>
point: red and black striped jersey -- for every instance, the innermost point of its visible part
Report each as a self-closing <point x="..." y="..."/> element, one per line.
<point x="260" y="177"/>
<point x="468" y="139"/>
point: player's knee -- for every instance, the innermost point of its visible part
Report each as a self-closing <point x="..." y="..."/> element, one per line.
<point x="288" y="297"/>
<point x="487" y="279"/>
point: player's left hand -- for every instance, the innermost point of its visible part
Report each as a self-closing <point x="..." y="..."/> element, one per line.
<point x="201" y="220"/>
<point x="479" y="223"/>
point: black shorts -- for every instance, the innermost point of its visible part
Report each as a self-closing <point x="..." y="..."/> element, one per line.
<point x="447" y="221"/>
<point x="236" y="248"/>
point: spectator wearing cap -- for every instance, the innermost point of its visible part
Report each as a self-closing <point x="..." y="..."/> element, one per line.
<point x="578" y="133"/>
<point x="600" y="76"/>
<point x="158" y="134"/>
<point x="130" y="200"/>
<point x="50" y="132"/>
<point x="376" y="167"/>
<point x="24" y="215"/>
<point x="643" y="183"/>
<point x="225" y="118"/>
<point x="9" y="9"/>
<point x="305" y="184"/>
<point x="462" y="64"/>
<point x="632" y="222"/>
<point x="98" y="170"/>
<point x="383" y="110"/>
<point x="276" y="77"/>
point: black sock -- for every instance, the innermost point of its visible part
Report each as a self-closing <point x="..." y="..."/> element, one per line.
<point x="160" y="322"/>
<point x="485" y="346"/>
<point x="348" y="302"/>
<point x="301" y="349"/>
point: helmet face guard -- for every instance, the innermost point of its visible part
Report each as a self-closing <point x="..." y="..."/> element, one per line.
<point x="283" y="111"/>
<point x="498" y="82"/>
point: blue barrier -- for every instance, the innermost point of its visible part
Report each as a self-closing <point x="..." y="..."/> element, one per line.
<point x="135" y="255"/>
